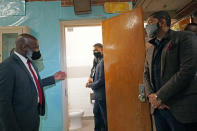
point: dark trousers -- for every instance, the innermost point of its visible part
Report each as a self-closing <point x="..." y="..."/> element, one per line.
<point x="36" y="128"/>
<point x="100" y="115"/>
<point x="165" y="121"/>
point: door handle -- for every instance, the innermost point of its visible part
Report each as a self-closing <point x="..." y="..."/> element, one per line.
<point x="142" y="96"/>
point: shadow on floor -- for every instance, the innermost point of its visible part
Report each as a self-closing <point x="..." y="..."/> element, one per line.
<point x="88" y="125"/>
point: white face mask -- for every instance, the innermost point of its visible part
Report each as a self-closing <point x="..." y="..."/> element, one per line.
<point x="152" y="30"/>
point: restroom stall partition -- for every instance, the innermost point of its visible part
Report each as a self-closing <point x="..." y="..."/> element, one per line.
<point x="124" y="55"/>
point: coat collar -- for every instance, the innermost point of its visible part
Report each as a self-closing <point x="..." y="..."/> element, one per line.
<point x="166" y="37"/>
<point x="21" y="64"/>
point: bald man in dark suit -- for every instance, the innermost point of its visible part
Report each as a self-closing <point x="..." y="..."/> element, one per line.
<point x="21" y="88"/>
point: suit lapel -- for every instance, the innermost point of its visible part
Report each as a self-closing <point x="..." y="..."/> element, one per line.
<point x="163" y="58"/>
<point x="151" y="60"/>
<point x="98" y="65"/>
<point x="164" y="51"/>
<point x="18" y="60"/>
<point x="36" y="69"/>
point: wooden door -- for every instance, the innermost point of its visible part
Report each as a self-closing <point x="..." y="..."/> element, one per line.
<point x="124" y="55"/>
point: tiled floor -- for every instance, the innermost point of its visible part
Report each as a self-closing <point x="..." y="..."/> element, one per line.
<point x="88" y="125"/>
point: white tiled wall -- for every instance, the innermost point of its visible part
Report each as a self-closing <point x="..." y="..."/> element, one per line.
<point x="79" y="60"/>
<point x="79" y="96"/>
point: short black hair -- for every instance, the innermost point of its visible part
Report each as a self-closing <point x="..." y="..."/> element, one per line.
<point x="162" y="15"/>
<point x="190" y="24"/>
<point x="98" y="45"/>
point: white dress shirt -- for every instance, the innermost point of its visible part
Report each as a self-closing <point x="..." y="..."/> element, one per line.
<point x="24" y="60"/>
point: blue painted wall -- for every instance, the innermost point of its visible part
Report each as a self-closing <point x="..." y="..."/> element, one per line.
<point x="43" y="19"/>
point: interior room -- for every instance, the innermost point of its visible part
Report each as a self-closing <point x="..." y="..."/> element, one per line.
<point x="66" y="31"/>
<point x="78" y="42"/>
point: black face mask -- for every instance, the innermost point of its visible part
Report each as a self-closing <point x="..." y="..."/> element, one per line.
<point x="97" y="54"/>
<point x="36" y="55"/>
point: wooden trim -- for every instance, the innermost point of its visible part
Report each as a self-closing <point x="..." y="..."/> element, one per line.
<point x="65" y="120"/>
<point x="18" y="29"/>
<point x="76" y="23"/>
<point x="63" y="24"/>
<point x="11" y="29"/>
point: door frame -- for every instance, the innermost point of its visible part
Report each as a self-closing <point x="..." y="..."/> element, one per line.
<point x="63" y="25"/>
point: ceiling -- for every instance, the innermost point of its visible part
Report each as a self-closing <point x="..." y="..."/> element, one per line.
<point x="176" y="8"/>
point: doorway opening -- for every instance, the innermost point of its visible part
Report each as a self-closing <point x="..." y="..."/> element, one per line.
<point x="77" y="60"/>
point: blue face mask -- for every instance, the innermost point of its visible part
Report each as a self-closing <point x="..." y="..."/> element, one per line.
<point x="152" y="30"/>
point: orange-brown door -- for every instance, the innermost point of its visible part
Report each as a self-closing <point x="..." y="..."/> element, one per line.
<point x="124" y="55"/>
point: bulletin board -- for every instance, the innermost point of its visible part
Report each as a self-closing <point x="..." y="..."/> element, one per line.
<point x="116" y="7"/>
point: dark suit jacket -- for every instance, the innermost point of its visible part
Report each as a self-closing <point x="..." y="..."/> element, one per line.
<point x="98" y="85"/>
<point x="95" y="62"/>
<point x="178" y="68"/>
<point x="19" y="110"/>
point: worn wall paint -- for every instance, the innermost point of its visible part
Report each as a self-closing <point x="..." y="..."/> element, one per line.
<point x="12" y="7"/>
